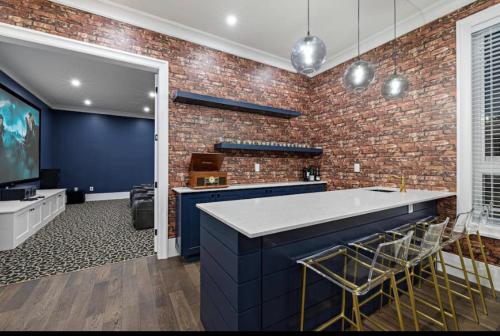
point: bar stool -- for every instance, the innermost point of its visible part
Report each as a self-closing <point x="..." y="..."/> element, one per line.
<point x="357" y="274"/>
<point x="478" y="221"/>
<point x="466" y="225"/>
<point x="422" y="248"/>
<point x="451" y="235"/>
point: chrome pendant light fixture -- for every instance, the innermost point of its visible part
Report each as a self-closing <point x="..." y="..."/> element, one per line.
<point x="361" y="73"/>
<point x="396" y="86"/>
<point x="309" y="53"/>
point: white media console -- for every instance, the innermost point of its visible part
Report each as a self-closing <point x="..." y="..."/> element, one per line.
<point x="20" y="220"/>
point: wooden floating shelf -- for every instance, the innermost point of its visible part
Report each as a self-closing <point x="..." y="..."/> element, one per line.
<point x="233" y="105"/>
<point x="267" y="148"/>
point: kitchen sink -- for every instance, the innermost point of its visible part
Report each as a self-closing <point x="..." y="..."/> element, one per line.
<point x="382" y="190"/>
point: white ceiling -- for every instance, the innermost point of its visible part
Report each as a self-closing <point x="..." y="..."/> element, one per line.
<point x="114" y="89"/>
<point x="267" y="29"/>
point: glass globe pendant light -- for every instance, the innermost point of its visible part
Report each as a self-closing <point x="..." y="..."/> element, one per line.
<point x="309" y="53"/>
<point x="396" y="86"/>
<point x="361" y="73"/>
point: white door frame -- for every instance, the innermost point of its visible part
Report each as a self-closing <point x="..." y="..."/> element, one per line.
<point x="19" y="35"/>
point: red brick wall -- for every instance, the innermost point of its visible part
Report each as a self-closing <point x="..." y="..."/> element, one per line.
<point x="202" y="70"/>
<point x="415" y="136"/>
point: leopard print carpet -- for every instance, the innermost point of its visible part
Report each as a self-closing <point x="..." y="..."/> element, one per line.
<point x="85" y="235"/>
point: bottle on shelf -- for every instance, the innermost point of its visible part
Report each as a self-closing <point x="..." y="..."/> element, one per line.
<point x="312" y="178"/>
<point x="305" y="174"/>
<point x="318" y="174"/>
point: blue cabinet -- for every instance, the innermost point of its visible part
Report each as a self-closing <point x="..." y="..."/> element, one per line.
<point x="188" y="215"/>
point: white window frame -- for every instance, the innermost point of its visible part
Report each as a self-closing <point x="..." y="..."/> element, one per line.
<point x="465" y="28"/>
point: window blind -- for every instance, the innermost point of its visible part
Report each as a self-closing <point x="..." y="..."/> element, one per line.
<point x="486" y="120"/>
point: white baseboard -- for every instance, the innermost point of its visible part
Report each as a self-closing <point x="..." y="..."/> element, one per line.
<point x="454" y="260"/>
<point x="172" y="251"/>
<point x="107" y="196"/>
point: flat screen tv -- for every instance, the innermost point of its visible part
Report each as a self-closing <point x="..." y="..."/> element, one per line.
<point x="19" y="139"/>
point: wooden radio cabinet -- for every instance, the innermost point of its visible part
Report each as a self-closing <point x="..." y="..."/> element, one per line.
<point x="204" y="171"/>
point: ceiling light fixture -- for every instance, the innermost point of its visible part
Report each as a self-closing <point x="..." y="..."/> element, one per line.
<point x="147" y="109"/>
<point x="309" y="53"/>
<point x="231" y="20"/>
<point x="396" y="85"/>
<point x="76" y="83"/>
<point x="361" y="73"/>
<point x="87" y="102"/>
<point x="152" y="94"/>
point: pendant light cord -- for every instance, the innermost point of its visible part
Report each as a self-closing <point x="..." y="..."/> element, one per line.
<point x="359" y="16"/>
<point x="308" y="17"/>
<point x="394" y="55"/>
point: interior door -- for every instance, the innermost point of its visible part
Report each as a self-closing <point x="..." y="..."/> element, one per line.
<point x="157" y="169"/>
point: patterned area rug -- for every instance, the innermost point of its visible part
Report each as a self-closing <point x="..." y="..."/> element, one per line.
<point x="85" y="235"/>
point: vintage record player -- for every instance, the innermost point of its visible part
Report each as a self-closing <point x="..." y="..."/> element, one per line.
<point x="204" y="171"/>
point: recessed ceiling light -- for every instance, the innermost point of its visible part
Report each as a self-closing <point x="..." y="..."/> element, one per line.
<point x="231" y="20"/>
<point x="152" y="94"/>
<point x="76" y="82"/>
<point x="87" y="102"/>
<point x="147" y="109"/>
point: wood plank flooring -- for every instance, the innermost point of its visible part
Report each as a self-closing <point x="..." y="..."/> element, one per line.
<point x="146" y="295"/>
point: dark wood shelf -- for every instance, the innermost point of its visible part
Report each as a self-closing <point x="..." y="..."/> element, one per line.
<point x="233" y="105"/>
<point x="233" y="146"/>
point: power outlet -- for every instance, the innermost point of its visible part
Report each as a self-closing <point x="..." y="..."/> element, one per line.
<point x="91" y="188"/>
<point x="357" y="168"/>
<point x="257" y="167"/>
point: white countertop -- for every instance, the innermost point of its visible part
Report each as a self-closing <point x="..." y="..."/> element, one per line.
<point x="15" y="206"/>
<point x="185" y="190"/>
<point x="265" y="216"/>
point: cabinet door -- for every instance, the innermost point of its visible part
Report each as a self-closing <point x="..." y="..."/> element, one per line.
<point x="190" y="230"/>
<point x="21" y="226"/>
<point x="60" y="202"/>
<point x="53" y="205"/>
<point x="35" y="217"/>
<point x="46" y="210"/>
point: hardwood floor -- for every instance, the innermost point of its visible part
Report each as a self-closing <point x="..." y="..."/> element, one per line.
<point x="137" y="294"/>
<point x="141" y="294"/>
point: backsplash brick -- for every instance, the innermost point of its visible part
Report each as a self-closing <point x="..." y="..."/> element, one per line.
<point x="415" y="136"/>
<point x="201" y="70"/>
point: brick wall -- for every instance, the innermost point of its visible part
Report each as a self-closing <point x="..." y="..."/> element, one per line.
<point x="202" y="70"/>
<point x="415" y="136"/>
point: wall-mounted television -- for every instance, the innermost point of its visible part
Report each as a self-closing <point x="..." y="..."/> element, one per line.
<point x="19" y="139"/>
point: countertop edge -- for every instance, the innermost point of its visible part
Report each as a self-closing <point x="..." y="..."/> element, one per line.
<point x="187" y="190"/>
<point x="322" y="221"/>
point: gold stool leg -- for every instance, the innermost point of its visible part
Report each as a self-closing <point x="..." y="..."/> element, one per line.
<point x="411" y="297"/>
<point x="476" y="274"/>
<point x="467" y="282"/>
<point x="357" y="312"/>
<point x="438" y="294"/>
<point x="394" y="287"/>
<point x="486" y="265"/>
<point x="303" y="298"/>
<point x="447" y="285"/>
<point x="420" y="282"/>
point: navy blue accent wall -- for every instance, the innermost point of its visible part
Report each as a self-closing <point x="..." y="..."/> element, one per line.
<point x="107" y="152"/>
<point x="47" y="130"/>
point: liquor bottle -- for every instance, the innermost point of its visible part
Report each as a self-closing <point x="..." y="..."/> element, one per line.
<point x="305" y="174"/>
<point x="311" y="174"/>
<point x="318" y="174"/>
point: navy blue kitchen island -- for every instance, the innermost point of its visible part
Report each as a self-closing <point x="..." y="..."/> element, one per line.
<point x="249" y="277"/>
